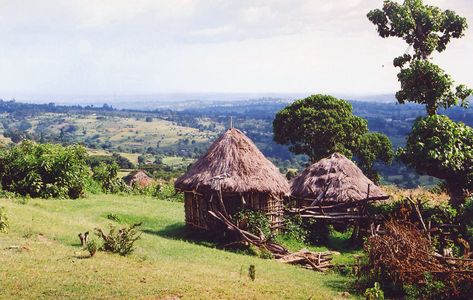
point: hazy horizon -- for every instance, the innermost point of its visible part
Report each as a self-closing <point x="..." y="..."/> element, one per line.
<point x="66" y="51"/>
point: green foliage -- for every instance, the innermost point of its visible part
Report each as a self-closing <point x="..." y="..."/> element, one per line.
<point x="255" y="222"/>
<point x="293" y="229"/>
<point x="252" y="272"/>
<point x="92" y="247"/>
<point x="374" y="147"/>
<point x="426" y="83"/>
<point x="426" y="28"/>
<point x="431" y="289"/>
<point x="319" y="126"/>
<point x="466" y="218"/>
<point x="439" y="147"/>
<point x="106" y="176"/>
<point x="119" y="240"/>
<point x="113" y="217"/>
<point x="44" y="170"/>
<point x="374" y="293"/>
<point x="159" y="191"/>
<point x="4" y="223"/>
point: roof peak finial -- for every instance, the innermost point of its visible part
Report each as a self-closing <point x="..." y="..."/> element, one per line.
<point x="231" y="122"/>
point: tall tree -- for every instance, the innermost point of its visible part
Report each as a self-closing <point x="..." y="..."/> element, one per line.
<point x="439" y="147"/>
<point x="426" y="29"/>
<point x="321" y="125"/>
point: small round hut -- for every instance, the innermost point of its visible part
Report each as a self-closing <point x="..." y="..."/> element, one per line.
<point x="333" y="180"/>
<point x="138" y="178"/>
<point x="231" y="176"/>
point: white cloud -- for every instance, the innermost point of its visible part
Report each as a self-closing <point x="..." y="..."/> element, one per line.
<point x="148" y="46"/>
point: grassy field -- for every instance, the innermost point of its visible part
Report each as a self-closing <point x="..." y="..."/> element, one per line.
<point x="127" y="132"/>
<point x="46" y="260"/>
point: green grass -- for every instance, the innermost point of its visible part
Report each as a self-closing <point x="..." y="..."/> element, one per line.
<point x="169" y="261"/>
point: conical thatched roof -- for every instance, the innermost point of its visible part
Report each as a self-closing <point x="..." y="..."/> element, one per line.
<point x="334" y="179"/>
<point x="240" y="166"/>
<point x="138" y="177"/>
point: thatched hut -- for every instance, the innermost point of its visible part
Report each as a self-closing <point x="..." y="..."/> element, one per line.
<point x="138" y="178"/>
<point x="333" y="180"/>
<point x="231" y="176"/>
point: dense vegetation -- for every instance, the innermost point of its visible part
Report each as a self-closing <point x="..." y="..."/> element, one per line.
<point x="321" y="125"/>
<point x="44" y="170"/>
<point x="41" y="123"/>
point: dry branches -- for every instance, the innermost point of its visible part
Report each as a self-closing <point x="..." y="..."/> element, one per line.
<point x="405" y="254"/>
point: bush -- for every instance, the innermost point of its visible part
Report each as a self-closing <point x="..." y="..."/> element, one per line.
<point x="4" y="224"/>
<point x="44" y="170"/>
<point x="92" y="247"/>
<point x="374" y="293"/>
<point x="106" y="176"/>
<point x="119" y="240"/>
<point x="255" y="222"/>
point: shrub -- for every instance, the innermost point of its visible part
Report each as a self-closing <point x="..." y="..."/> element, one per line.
<point x="119" y="240"/>
<point x="431" y="289"/>
<point x="374" y="293"/>
<point x="44" y="170"/>
<point x="252" y="272"/>
<point x="113" y="217"/>
<point x="255" y="222"/>
<point x="92" y="247"/>
<point x="106" y="176"/>
<point x="4" y="224"/>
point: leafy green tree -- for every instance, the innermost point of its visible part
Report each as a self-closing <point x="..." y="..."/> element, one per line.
<point x="426" y="29"/>
<point x="106" y="175"/>
<point x="439" y="147"/>
<point x="44" y="170"/>
<point x="319" y="126"/>
<point x="374" y="147"/>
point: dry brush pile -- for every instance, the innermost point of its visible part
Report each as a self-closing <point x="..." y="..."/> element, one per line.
<point x="404" y="254"/>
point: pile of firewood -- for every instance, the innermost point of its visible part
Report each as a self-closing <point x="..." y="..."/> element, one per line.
<point x="405" y="253"/>
<point x="317" y="261"/>
<point x="307" y="259"/>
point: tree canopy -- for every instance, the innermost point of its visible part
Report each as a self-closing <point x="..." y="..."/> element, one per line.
<point x="373" y="147"/>
<point x="319" y="126"/>
<point x="442" y="148"/>
<point x="426" y="29"/>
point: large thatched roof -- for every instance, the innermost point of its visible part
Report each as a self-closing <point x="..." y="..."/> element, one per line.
<point x="334" y="179"/>
<point x="237" y="165"/>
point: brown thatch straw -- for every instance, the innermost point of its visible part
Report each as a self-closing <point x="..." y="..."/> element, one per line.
<point x="240" y="166"/>
<point x="334" y="179"/>
<point x="139" y="178"/>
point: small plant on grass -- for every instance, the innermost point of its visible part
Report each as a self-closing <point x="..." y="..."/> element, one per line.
<point x="252" y="272"/>
<point x="4" y="224"/>
<point x="374" y="293"/>
<point x="92" y="246"/>
<point x="113" y="217"/>
<point x="119" y="240"/>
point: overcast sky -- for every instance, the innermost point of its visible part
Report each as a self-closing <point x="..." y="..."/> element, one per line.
<point x="118" y="47"/>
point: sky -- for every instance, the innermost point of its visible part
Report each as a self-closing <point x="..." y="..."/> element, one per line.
<point x="53" y="49"/>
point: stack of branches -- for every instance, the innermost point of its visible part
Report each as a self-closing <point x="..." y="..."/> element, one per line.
<point x="405" y="254"/>
<point x="320" y="261"/>
<point x="347" y="211"/>
<point x="311" y="260"/>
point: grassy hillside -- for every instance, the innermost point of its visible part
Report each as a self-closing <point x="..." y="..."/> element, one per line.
<point x="168" y="262"/>
<point x="126" y="132"/>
